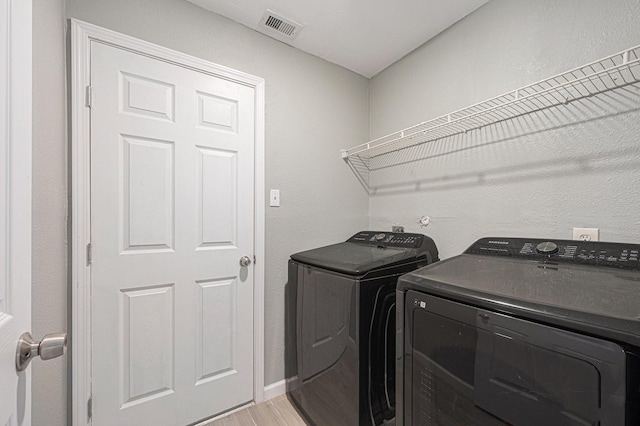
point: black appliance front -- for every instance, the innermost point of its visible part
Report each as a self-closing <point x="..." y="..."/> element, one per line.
<point x="521" y="332"/>
<point x="346" y="325"/>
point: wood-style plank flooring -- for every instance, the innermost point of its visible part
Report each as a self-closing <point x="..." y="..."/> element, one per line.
<point x="276" y="411"/>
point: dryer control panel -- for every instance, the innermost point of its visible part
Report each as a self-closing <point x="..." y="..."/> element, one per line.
<point x="388" y="239"/>
<point x="594" y="253"/>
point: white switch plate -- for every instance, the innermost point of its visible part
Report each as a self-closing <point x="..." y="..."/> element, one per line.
<point x="586" y="234"/>
<point x="274" y="198"/>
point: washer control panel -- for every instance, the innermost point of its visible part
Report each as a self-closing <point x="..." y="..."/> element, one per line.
<point x="596" y="253"/>
<point x="388" y="239"/>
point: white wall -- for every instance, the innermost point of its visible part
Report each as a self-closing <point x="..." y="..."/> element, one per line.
<point x="313" y="108"/>
<point x="535" y="176"/>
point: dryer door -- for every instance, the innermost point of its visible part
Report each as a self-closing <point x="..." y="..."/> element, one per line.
<point x="473" y="366"/>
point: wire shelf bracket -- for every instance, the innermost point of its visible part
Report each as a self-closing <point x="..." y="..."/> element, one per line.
<point x="612" y="72"/>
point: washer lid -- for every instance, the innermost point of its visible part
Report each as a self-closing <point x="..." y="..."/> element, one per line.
<point x="353" y="258"/>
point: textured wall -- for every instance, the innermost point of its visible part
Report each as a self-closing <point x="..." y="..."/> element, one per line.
<point x="313" y="108"/>
<point x="49" y="288"/>
<point x="538" y="175"/>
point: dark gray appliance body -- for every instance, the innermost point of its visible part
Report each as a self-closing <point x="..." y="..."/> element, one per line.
<point x="345" y="318"/>
<point x="523" y="332"/>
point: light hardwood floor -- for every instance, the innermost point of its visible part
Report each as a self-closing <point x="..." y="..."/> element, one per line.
<point x="276" y="411"/>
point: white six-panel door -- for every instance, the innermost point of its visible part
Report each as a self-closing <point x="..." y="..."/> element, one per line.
<point x="172" y="213"/>
<point x="15" y="206"/>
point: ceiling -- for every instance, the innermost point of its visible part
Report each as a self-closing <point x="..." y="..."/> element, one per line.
<point x="365" y="36"/>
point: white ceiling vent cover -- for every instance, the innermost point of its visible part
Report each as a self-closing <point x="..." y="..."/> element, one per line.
<point x="276" y="24"/>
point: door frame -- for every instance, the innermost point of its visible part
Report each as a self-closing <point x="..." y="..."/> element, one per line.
<point x="82" y="35"/>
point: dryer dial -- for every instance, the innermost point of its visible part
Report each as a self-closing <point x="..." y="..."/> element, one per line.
<point x="547" y="247"/>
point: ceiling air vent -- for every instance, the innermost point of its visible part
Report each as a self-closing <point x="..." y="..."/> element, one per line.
<point x="276" y="24"/>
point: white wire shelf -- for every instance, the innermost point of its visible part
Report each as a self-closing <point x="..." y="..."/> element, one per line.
<point x="615" y="71"/>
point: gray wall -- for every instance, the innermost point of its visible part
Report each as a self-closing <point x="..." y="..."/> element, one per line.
<point x="313" y="108"/>
<point x="49" y="205"/>
<point x="537" y="176"/>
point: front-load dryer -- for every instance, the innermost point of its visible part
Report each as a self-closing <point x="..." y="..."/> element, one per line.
<point x="521" y="331"/>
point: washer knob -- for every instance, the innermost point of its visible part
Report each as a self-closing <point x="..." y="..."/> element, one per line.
<point x="379" y="237"/>
<point x="547" y="248"/>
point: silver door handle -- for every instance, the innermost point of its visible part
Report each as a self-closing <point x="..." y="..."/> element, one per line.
<point x="245" y="261"/>
<point x="51" y="346"/>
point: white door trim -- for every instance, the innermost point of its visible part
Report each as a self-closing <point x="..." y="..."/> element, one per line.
<point x="82" y="34"/>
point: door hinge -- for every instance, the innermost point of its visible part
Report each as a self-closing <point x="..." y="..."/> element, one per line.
<point x="89" y="96"/>
<point x="89" y="254"/>
<point x="254" y="259"/>
<point x="90" y="408"/>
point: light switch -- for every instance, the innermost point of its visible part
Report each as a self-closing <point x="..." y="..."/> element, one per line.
<point x="274" y="198"/>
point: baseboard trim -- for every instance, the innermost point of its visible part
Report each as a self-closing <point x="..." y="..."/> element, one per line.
<point x="280" y="388"/>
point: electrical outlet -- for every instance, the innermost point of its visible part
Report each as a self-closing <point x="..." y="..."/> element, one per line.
<point x="397" y="228"/>
<point x="586" y="234"/>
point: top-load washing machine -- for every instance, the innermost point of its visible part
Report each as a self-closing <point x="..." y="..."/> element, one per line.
<point x="521" y="331"/>
<point x="345" y="319"/>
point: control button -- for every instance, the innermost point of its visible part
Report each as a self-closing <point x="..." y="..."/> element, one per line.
<point x="423" y="305"/>
<point x="547" y="248"/>
<point x="379" y="237"/>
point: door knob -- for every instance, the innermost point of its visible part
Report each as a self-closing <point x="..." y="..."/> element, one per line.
<point x="51" y="346"/>
<point x="245" y="261"/>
